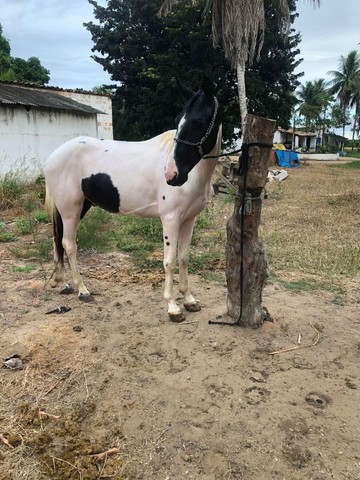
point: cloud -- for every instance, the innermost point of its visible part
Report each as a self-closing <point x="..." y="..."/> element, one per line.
<point x="53" y="31"/>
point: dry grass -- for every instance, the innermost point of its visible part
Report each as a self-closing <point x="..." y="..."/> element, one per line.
<point x="312" y="229"/>
<point x="43" y="414"/>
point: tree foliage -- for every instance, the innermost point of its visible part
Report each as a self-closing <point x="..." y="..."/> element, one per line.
<point x="345" y="84"/>
<point x="271" y="81"/>
<point x="14" y="68"/>
<point x="314" y="98"/>
<point x="145" y="54"/>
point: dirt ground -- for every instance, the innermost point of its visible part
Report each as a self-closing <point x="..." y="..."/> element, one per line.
<point x="174" y="401"/>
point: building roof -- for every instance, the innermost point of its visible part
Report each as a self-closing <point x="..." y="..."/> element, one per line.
<point x="337" y="138"/>
<point x="13" y="94"/>
<point x="299" y="133"/>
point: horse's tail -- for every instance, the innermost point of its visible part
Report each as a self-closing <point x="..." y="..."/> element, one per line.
<point x="57" y="223"/>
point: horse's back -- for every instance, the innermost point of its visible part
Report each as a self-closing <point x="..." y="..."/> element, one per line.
<point x="84" y="165"/>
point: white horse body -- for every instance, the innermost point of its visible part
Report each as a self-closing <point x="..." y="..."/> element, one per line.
<point x="136" y="170"/>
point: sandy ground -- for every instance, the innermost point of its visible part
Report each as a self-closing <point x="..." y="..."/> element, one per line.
<point x="175" y="401"/>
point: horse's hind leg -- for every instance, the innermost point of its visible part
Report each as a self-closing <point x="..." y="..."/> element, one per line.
<point x="69" y="243"/>
<point x="185" y="234"/>
<point x="60" y="278"/>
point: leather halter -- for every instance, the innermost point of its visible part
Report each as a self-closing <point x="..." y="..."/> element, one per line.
<point x="198" y="145"/>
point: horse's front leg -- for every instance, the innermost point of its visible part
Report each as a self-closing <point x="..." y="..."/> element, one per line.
<point x="170" y="233"/>
<point x="185" y="234"/>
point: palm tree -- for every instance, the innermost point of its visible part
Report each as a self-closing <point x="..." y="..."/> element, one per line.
<point x="239" y="25"/>
<point x="355" y="102"/>
<point x="314" y="98"/>
<point x="345" y="80"/>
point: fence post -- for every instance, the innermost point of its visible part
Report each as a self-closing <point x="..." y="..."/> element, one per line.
<point x="255" y="270"/>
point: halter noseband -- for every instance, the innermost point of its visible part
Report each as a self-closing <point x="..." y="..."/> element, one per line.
<point x="198" y="145"/>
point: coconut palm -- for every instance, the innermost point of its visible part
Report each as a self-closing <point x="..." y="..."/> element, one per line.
<point x="314" y="98"/>
<point x="344" y="81"/>
<point x="355" y="102"/>
<point x="239" y="25"/>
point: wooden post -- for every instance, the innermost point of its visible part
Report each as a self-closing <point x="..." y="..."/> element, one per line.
<point x="255" y="270"/>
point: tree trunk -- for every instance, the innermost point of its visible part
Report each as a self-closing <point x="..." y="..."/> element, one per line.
<point x="356" y="119"/>
<point x="255" y="270"/>
<point x="240" y="73"/>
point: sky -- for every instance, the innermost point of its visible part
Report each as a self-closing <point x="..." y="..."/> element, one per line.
<point x="53" y="31"/>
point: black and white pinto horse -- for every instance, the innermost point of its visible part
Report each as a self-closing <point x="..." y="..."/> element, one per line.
<point x="164" y="177"/>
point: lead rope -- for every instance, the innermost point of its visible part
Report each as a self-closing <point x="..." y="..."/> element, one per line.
<point x="243" y="171"/>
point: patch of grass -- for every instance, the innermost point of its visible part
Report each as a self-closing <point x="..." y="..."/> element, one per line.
<point x="24" y="196"/>
<point x="148" y="228"/>
<point x="40" y="216"/>
<point x="5" y="236"/>
<point x="205" y="261"/>
<point x="44" y="249"/>
<point x="339" y="300"/>
<point x="93" y="231"/>
<point x="229" y="196"/>
<point x="23" y="225"/>
<point x="278" y="191"/>
<point x="12" y="187"/>
<point x="140" y="237"/>
<point x="314" y="230"/>
<point x="24" y="268"/>
<point x="354" y="165"/>
<point x="215" y="277"/>
<point x="308" y="285"/>
<point x="203" y="222"/>
<point x="41" y="250"/>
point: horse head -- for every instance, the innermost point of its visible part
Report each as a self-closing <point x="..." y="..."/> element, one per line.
<point x="197" y="131"/>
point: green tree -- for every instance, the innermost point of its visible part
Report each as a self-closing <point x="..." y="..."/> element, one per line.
<point x="345" y="81"/>
<point x="6" y="72"/>
<point x="16" y="68"/>
<point x="355" y="103"/>
<point x="30" y="71"/>
<point x="339" y="116"/>
<point x="240" y="25"/>
<point x="314" y="98"/>
<point x="270" y="80"/>
<point x="145" y="53"/>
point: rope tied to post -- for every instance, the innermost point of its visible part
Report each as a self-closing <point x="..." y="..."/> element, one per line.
<point x="243" y="169"/>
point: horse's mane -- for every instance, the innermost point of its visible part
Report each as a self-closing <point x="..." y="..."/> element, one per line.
<point x="166" y="140"/>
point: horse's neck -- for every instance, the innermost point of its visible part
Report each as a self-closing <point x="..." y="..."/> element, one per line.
<point x="207" y="165"/>
<point x="205" y="169"/>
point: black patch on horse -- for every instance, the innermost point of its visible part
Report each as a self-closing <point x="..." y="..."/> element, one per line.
<point x="100" y="191"/>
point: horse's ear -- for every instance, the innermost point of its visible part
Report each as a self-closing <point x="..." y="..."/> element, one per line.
<point x="208" y="86"/>
<point x="186" y="92"/>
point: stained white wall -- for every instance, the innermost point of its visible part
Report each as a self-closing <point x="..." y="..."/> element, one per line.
<point x="99" y="102"/>
<point x="28" y="136"/>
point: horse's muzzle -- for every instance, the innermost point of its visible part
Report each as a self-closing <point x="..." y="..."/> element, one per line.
<point x="178" y="180"/>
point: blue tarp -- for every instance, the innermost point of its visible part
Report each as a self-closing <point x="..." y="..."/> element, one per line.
<point x="287" y="158"/>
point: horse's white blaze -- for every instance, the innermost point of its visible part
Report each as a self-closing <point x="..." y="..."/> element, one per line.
<point x="171" y="169"/>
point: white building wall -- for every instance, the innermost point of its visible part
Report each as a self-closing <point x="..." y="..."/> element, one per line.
<point x="28" y="137"/>
<point x="97" y="101"/>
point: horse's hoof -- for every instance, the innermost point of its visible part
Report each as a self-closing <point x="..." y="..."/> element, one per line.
<point x="177" y="317"/>
<point x="67" y="290"/>
<point x="192" y="307"/>
<point x="86" y="297"/>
